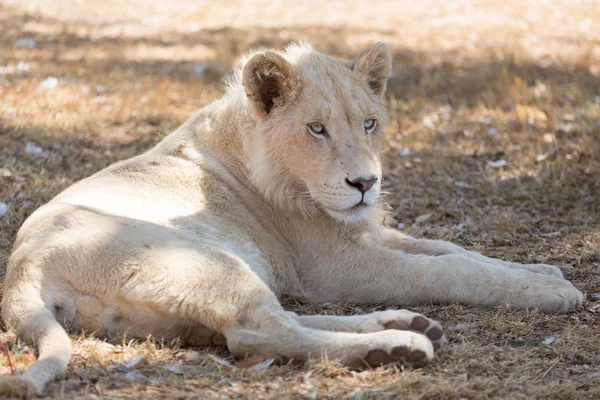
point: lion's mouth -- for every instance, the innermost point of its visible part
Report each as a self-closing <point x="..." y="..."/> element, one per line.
<point x="359" y="206"/>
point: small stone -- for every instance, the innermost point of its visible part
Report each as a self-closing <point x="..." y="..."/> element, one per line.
<point x="462" y="184"/>
<point x="548" y="340"/>
<point x="3" y="209"/>
<point x="497" y="164"/>
<point x="25" y="43"/>
<point x="200" y="68"/>
<point x="34" y="150"/>
<point x="49" y="83"/>
<point x="428" y="123"/>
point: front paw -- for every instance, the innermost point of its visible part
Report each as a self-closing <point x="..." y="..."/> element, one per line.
<point x="391" y="346"/>
<point x="547" y="293"/>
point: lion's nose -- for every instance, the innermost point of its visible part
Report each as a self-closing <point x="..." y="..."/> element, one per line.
<point x="362" y="184"/>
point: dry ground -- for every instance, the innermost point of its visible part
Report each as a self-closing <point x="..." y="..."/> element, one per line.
<point x="474" y="82"/>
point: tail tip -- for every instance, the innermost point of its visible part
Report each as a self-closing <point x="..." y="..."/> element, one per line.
<point x="19" y="387"/>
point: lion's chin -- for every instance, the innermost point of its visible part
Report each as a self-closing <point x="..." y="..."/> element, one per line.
<point x="352" y="215"/>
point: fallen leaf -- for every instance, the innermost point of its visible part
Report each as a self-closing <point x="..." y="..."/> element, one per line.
<point x="135" y="376"/>
<point x="422" y="218"/>
<point x="461" y="327"/>
<point x="27" y="359"/>
<point x="221" y="361"/>
<point x="174" y="368"/>
<point x="134" y="362"/>
<point x="262" y="365"/>
<point x="81" y="374"/>
<point x="190" y="355"/>
<point x="250" y="361"/>
<point x="545" y="156"/>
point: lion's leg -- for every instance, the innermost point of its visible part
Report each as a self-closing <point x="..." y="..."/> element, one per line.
<point x="271" y="332"/>
<point x="403" y="320"/>
<point x="219" y="290"/>
<point x="368" y="273"/>
<point x="411" y="245"/>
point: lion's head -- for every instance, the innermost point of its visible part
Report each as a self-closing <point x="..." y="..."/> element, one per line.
<point x="317" y="139"/>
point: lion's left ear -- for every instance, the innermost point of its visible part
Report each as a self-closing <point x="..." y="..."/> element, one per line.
<point x="375" y="64"/>
<point x="269" y="82"/>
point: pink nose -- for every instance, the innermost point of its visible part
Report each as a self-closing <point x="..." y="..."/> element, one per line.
<point x="362" y="184"/>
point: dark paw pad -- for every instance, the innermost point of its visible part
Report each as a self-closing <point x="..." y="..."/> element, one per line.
<point x="377" y="358"/>
<point x="419" y="323"/>
<point x="434" y="333"/>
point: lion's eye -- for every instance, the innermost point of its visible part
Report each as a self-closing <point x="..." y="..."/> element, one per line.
<point x="317" y="128"/>
<point x="370" y="125"/>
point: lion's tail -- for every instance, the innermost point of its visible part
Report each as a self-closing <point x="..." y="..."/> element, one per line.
<point x="24" y="310"/>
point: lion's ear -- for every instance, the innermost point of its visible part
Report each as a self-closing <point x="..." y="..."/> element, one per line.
<point x="375" y="64"/>
<point x="268" y="80"/>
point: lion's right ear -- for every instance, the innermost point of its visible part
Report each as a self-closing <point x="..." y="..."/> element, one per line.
<point x="268" y="80"/>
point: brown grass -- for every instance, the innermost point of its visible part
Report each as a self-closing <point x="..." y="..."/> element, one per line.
<point x="474" y="81"/>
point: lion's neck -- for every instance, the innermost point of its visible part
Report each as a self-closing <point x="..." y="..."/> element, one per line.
<point x="218" y="129"/>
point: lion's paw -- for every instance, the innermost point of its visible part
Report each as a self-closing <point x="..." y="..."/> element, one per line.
<point x="404" y="320"/>
<point x="18" y="387"/>
<point x="549" y="294"/>
<point x="389" y="347"/>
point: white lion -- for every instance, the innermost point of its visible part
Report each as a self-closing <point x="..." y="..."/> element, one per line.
<point x="271" y="190"/>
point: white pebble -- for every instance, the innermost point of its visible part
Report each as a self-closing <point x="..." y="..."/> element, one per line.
<point x="25" y="43"/>
<point x="48" y="84"/>
<point x="497" y="164"/>
<point x="34" y="150"/>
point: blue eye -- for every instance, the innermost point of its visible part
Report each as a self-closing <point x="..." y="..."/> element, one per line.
<point x="317" y="128"/>
<point x="370" y="125"/>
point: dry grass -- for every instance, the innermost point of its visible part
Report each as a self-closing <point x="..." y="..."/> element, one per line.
<point x="474" y="81"/>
